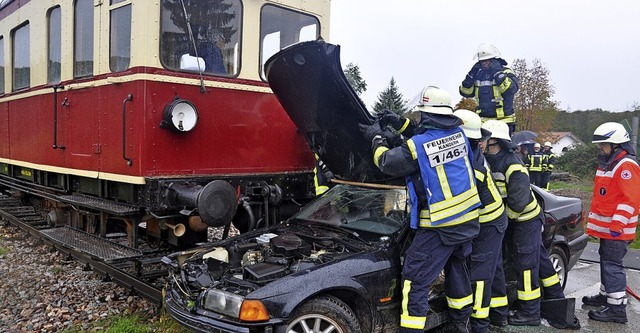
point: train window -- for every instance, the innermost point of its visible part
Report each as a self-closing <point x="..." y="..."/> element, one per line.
<point x="1" y="65"/>
<point x="21" y="57"/>
<point x="53" y="66"/>
<point x="120" y="43"/>
<point x="211" y="46"/>
<point x="83" y="39"/>
<point x="281" y="27"/>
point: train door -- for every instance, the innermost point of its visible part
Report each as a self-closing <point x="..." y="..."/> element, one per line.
<point x="79" y="103"/>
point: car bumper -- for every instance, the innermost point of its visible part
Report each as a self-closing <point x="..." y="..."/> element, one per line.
<point x="204" y="324"/>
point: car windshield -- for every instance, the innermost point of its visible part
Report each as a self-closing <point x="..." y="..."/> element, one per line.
<point x="381" y="211"/>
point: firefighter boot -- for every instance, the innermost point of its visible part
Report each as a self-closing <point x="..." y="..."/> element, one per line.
<point x="597" y="300"/>
<point x="520" y="319"/>
<point x="611" y="313"/>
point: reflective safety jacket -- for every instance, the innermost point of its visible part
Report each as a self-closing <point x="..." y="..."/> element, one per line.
<point x="443" y="193"/>
<point x="616" y="199"/>
<point x="548" y="160"/>
<point x="492" y="205"/>
<point x="447" y="174"/>
<point x="512" y="180"/>
<point x="494" y="90"/>
<point x="536" y="161"/>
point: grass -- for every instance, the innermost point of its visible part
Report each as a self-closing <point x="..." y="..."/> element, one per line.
<point x="2" y="249"/>
<point x="131" y="324"/>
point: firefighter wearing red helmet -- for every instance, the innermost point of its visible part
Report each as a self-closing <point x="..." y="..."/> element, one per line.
<point x="493" y="85"/>
<point x="613" y="218"/>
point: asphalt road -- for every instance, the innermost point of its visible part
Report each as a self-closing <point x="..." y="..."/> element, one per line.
<point x="583" y="280"/>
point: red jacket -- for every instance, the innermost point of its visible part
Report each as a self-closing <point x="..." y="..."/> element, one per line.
<point x="616" y="199"/>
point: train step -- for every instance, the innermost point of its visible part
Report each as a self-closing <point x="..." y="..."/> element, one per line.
<point x="98" y="248"/>
<point x="108" y="206"/>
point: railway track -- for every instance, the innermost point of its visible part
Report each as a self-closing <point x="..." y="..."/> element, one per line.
<point x="139" y="270"/>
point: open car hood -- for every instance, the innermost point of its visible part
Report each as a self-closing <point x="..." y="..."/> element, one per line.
<point x="308" y="80"/>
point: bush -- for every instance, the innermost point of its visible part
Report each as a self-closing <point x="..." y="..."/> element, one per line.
<point x="580" y="161"/>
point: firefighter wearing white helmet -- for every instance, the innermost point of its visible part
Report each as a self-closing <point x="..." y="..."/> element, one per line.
<point x="436" y="163"/>
<point x="613" y="218"/>
<point x="535" y="165"/>
<point x="525" y="223"/>
<point x="493" y="85"/>
<point x="548" y="164"/>
<point x="493" y="223"/>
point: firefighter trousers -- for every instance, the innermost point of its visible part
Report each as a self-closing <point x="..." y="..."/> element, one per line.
<point x="612" y="275"/>
<point x="485" y="258"/>
<point x="425" y="259"/>
<point x="549" y="279"/>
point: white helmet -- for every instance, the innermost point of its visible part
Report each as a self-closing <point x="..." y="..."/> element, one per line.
<point x="547" y="144"/>
<point x="486" y="51"/>
<point x="499" y="129"/>
<point x="471" y="123"/>
<point x="610" y="132"/>
<point x="434" y="100"/>
<point x="536" y="145"/>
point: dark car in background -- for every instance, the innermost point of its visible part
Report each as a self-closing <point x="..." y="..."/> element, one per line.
<point x="335" y="266"/>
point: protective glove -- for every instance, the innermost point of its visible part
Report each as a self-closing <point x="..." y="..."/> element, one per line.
<point x="615" y="233"/>
<point x="474" y="70"/>
<point x="499" y="77"/>
<point x="388" y="117"/>
<point x="370" y="132"/>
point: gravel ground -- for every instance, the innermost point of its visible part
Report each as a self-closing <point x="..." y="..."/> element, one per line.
<point x="43" y="291"/>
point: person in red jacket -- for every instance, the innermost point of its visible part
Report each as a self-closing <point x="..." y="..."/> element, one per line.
<point x="613" y="218"/>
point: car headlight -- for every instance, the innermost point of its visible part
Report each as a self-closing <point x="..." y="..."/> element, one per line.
<point x="235" y="306"/>
<point x="222" y="302"/>
<point x="180" y="115"/>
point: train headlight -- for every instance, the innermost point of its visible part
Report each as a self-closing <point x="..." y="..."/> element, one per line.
<point x="180" y="115"/>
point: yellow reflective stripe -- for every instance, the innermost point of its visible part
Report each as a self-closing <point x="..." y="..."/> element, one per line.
<point x="477" y="303"/>
<point x="498" y="96"/>
<point x="513" y="168"/>
<point x="321" y="189"/>
<point x="444" y="182"/>
<point x="480" y="313"/>
<point x="378" y="153"/>
<point x="504" y="86"/>
<point x="499" y="301"/>
<point x="479" y="175"/>
<point x="550" y="281"/>
<point x="405" y="125"/>
<point x="528" y="294"/>
<point x="443" y="214"/>
<point x="489" y="213"/>
<point x="507" y="119"/>
<point x="412" y="149"/>
<point x="426" y="222"/>
<point x="471" y="193"/>
<point x="405" y="319"/>
<point x="466" y="91"/>
<point x="459" y="303"/>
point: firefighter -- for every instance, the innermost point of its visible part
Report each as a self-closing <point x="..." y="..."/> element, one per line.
<point x="523" y="233"/>
<point x="613" y="218"/>
<point x="436" y="162"/>
<point x="534" y="164"/>
<point x="548" y="163"/>
<point x="493" y="85"/>
<point x="486" y="254"/>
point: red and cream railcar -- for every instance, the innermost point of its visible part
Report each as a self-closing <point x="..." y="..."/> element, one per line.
<point x="155" y="113"/>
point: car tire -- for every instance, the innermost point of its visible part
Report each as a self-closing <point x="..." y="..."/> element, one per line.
<point x="321" y="314"/>
<point x="559" y="261"/>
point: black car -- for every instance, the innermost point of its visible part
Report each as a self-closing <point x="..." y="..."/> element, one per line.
<point x="335" y="266"/>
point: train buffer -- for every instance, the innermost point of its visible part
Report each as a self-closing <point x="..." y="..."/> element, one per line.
<point x="94" y="246"/>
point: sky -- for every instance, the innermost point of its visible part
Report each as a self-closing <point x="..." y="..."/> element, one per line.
<point x="590" y="47"/>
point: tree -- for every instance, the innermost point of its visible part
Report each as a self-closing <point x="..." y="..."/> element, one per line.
<point x="391" y="99"/>
<point x="466" y="103"/>
<point x="535" y="110"/>
<point x="205" y="17"/>
<point x="352" y="72"/>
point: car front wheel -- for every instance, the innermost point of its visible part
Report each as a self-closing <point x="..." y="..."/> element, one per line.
<point x="324" y="314"/>
<point x="559" y="260"/>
